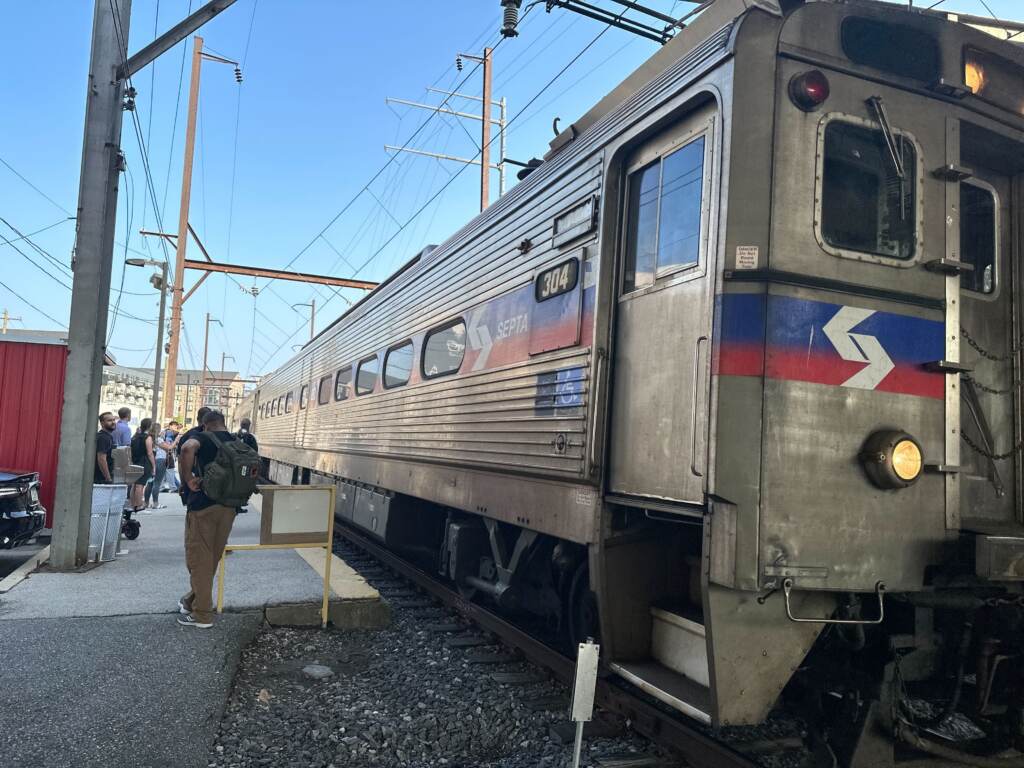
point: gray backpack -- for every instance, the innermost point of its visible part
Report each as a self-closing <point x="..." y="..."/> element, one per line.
<point x="230" y="479"/>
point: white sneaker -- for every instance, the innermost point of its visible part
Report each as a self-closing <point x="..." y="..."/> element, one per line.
<point x="188" y="620"/>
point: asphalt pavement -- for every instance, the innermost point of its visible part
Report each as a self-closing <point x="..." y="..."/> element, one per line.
<point x="115" y="691"/>
<point x="96" y="671"/>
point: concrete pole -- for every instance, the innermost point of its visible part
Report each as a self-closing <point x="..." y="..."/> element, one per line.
<point x="312" y="318"/>
<point x="202" y="374"/>
<point x="485" y="135"/>
<point x="90" y="293"/>
<point x="160" y="345"/>
<point x="182" y="241"/>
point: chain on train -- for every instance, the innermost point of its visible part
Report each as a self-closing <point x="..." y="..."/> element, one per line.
<point x="985" y="353"/>
<point x="989" y="454"/>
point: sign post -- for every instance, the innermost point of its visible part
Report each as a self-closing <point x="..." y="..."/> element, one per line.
<point x="582" y="708"/>
<point x="292" y="517"/>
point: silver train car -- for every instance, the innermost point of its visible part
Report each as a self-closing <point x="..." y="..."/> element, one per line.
<point x="732" y="381"/>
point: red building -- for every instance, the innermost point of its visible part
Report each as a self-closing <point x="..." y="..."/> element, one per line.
<point x="31" y="396"/>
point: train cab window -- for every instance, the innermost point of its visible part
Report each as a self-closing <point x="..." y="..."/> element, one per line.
<point x="978" y="237"/>
<point x="865" y="206"/>
<point x="288" y="403"/>
<point x="664" y="215"/>
<point x="443" y="350"/>
<point x="366" y="375"/>
<point x="896" y="48"/>
<point x="341" y="381"/>
<point x="323" y="390"/>
<point x="303" y="396"/>
<point x="398" y="365"/>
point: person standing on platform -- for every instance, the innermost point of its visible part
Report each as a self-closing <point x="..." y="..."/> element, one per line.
<point x="245" y="434"/>
<point x="218" y="475"/>
<point x="104" y="447"/>
<point x="143" y="456"/>
<point x="123" y="428"/>
<point x="152" y="494"/>
<point x="168" y="438"/>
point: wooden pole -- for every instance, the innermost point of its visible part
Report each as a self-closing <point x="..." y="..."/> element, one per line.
<point x="174" y="338"/>
<point x="485" y="135"/>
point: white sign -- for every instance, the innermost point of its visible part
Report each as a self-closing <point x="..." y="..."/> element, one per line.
<point x="746" y="256"/>
<point x="582" y="708"/>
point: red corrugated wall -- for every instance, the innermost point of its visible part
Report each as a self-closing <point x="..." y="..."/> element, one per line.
<point x="31" y="396"/>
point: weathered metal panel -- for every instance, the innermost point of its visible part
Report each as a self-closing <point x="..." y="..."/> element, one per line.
<point x="31" y="396"/>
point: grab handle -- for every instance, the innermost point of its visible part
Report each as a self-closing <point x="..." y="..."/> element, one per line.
<point x="787" y="587"/>
<point x="693" y="407"/>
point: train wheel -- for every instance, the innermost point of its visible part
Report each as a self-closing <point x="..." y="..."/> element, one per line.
<point x="583" y="611"/>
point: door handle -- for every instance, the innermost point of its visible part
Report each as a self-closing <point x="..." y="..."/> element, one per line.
<point x="693" y="408"/>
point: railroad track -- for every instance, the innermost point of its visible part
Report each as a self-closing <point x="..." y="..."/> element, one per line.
<point x="670" y="731"/>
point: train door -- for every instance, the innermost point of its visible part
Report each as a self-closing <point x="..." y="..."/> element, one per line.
<point x="661" y="367"/>
<point x="989" y="340"/>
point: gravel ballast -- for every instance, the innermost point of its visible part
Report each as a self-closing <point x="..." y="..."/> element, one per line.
<point x="404" y="696"/>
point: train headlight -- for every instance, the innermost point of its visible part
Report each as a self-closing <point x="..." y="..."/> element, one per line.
<point x="892" y="459"/>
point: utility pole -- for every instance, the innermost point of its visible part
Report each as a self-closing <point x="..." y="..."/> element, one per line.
<point x="4" y="320"/>
<point x="90" y="291"/>
<point x="487" y="103"/>
<point x="179" y="254"/>
<point x="206" y="346"/>
<point x="225" y="388"/>
<point x="312" y="316"/>
<point x="485" y="135"/>
<point x="183" y="209"/>
<point x="162" y="280"/>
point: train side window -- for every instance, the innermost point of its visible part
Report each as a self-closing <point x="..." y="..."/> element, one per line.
<point x="663" y="215"/>
<point x="366" y="375"/>
<point x="398" y="365"/>
<point x="444" y="349"/>
<point x="303" y="396"/>
<point x="978" y="237"/>
<point x="341" y="381"/>
<point x="323" y="390"/>
<point x="865" y="206"/>
<point x="288" y="403"/>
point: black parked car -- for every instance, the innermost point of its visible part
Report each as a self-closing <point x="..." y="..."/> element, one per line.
<point x="21" y="515"/>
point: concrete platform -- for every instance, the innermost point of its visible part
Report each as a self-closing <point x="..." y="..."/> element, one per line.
<point x="101" y="673"/>
<point x="151" y="577"/>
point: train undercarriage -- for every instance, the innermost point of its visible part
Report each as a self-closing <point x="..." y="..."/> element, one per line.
<point x="936" y="673"/>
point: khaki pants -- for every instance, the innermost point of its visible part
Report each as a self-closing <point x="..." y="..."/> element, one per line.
<point x="206" y="533"/>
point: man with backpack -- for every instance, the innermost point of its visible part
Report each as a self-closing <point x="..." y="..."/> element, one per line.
<point x="226" y="475"/>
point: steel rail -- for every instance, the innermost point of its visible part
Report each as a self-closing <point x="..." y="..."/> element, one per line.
<point x="696" y="747"/>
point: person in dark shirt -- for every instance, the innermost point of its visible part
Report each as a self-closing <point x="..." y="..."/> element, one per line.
<point x="246" y="436"/>
<point x="104" y="447"/>
<point x="182" y="439"/>
<point x="207" y="523"/>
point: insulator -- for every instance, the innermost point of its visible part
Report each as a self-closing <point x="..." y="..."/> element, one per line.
<point x="511" y="17"/>
<point x="458" y="63"/>
<point x="238" y="75"/>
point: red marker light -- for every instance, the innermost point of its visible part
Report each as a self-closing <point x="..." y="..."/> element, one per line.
<point x="809" y="90"/>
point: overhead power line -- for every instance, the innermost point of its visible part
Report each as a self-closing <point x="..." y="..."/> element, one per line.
<point x="461" y="170"/>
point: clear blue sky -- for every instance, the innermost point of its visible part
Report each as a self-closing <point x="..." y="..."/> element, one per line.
<point x="311" y="124"/>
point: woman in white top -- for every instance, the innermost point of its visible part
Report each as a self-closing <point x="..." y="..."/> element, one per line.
<point x="153" y="487"/>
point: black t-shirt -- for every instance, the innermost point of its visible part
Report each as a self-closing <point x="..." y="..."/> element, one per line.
<point x="207" y="452"/>
<point x="249" y="439"/>
<point x="188" y="436"/>
<point x="104" y="445"/>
